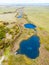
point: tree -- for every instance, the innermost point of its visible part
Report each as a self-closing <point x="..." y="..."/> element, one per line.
<point x="2" y="32"/>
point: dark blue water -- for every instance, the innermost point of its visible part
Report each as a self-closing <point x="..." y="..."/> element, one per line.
<point x="31" y="26"/>
<point x="30" y="47"/>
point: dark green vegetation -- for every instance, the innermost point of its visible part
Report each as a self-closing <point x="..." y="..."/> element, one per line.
<point x="2" y="32"/>
<point x="7" y="34"/>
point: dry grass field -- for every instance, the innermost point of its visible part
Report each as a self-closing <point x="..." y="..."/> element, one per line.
<point x="39" y="15"/>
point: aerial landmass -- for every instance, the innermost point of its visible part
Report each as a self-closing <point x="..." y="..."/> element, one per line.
<point x="24" y="35"/>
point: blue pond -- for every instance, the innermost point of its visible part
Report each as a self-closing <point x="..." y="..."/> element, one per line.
<point x="30" y="47"/>
<point x="31" y="26"/>
<point x="20" y="16"/>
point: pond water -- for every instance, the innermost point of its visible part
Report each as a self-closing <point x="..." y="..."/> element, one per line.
<point x="30" y="47"/>
<point x="29" y="25"/>
<point x="19" y="16"/>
